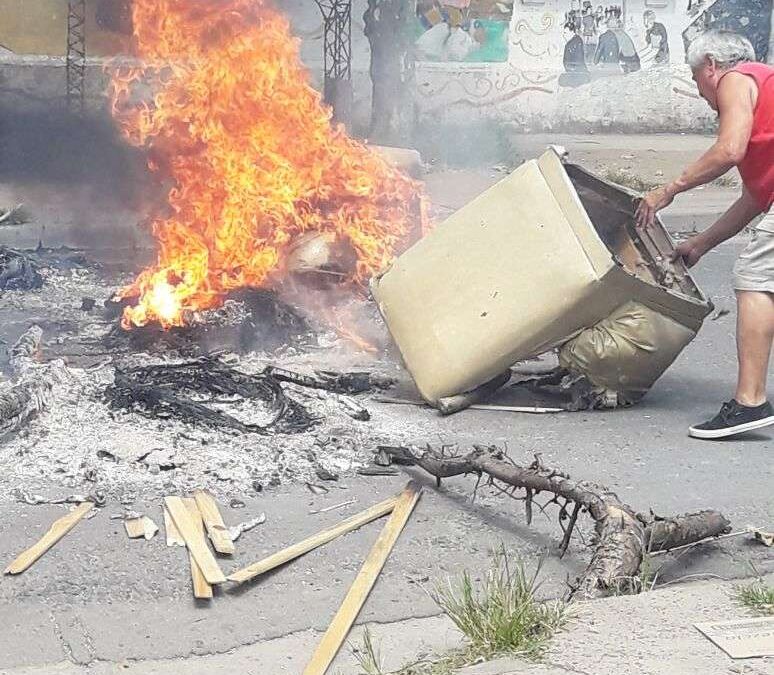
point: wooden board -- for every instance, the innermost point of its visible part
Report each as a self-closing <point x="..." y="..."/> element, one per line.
<point x="201" y="588"/>
<point x="57" y="530"/>
<point x="174" y="538"/>
<point x="142" y="527"/>
<point x="316" y="540"/>
<point x="189" y="531"/>
<point x="358" y="593"/>
<point x="742" y="638"/>
<point x="213" y="521"/>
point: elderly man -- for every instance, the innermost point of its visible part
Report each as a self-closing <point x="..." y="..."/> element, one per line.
<point x="742" y="92"/>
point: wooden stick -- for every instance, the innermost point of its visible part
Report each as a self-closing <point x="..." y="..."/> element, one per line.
<point x="174" y="538"/>
<point x="533" y="410"/>
<point x="199" y="550"/>
<point x="141" y="527"/>
<point x="358" y="593"/>
<point x="201" y="588"/>
<point x="449" y="405"/>
<point x="213" y="521"/>
<point x="57" y="530"/>
<point x="313" y="542"/>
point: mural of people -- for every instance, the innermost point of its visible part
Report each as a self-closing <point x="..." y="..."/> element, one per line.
<point x="576" y="71"/>
<point x="656" y="37"/>
<point x="462" y="30"/>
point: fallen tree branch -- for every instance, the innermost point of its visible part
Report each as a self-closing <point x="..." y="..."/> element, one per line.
<point x="622" y="536"/>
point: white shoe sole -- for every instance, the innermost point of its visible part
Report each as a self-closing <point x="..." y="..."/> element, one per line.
<point x="731" y="431"/>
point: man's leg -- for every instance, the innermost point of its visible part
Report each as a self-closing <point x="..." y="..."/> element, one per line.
<point x="754" y="335"/>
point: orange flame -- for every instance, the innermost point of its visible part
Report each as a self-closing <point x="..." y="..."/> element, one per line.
<point x="251" y="154"/>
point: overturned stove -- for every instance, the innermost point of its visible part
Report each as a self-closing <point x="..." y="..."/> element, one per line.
<point x="548" y="259"/>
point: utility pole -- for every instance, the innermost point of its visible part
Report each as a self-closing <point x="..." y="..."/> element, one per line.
<point x="337" y="20"/>
<point x="76" y="55"/>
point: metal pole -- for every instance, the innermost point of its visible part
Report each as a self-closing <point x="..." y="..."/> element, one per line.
<point x="337" y="48"/>
<point x="76" y="55"/>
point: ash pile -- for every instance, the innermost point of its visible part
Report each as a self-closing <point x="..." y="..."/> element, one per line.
<point x="235" y="402"/>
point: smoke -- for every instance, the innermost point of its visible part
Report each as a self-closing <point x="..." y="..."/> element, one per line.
<point x="84" y="186"/>
<point x="49" y="144"/>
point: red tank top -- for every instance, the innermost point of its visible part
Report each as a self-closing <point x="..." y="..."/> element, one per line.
<point x="757" y="167"/>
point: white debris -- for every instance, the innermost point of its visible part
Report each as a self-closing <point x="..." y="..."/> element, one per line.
<point x="236" y="531"/>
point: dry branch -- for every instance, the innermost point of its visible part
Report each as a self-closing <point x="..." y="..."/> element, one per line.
<point x="622" y="536"/>
<point x="452" y="404"/>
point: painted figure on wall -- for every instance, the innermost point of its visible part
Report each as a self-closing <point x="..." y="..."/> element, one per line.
<point x="628" y="58"/>
<point x="588" y="29"/>
<point x="656" y="37"/>
<point x="576" y="70"/>
<point x="462" y="30"/>
<point x="607" y="54"/>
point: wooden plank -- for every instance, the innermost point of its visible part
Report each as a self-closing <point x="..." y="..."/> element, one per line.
<point x="174" y="538"/>
<point x="213" y="521"/>
<point x="201" y="588"/>
<point x="296" y="550"/>
<point x="57" y="530"/>
<point x="358" y="593"/>
<point x="201" y="553"/>
<point x="141" y="527"/>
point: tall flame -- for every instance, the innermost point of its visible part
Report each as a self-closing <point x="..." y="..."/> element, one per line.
<point x="225" y="110"/>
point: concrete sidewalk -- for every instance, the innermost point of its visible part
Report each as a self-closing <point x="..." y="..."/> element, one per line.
<point x="648" y="634"/>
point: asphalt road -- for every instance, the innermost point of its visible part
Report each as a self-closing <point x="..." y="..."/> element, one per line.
<point x="100" y="596"/>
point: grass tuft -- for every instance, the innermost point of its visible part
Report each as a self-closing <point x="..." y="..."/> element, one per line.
<point x="501" y="617"/>
<point x="757" y="596"/>
<point x="368" y="656"/>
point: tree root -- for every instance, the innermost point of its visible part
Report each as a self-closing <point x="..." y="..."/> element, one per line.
<point x="622" y="538"/>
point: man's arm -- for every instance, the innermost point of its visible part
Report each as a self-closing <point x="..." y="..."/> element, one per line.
<point x="733" y="221"/>
<point x="736" y="108"/>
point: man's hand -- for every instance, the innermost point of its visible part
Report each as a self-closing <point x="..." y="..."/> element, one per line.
<point x="690" y="251"/>
<point x="652" y="203"/>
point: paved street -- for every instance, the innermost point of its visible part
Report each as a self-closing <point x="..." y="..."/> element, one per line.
<point x="101" y="599"/>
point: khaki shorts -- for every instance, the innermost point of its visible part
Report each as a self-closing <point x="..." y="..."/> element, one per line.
<point x="754" y="270"/>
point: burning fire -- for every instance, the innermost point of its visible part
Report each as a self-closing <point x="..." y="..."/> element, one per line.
<point x="250" y="153"/>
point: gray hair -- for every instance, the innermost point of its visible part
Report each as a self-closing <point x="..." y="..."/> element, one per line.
<point x="726" y="49"/>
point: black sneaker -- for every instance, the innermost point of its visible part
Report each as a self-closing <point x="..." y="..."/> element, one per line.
<point x="734" y="418"/>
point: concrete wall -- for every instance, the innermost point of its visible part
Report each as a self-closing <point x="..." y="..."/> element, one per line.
<point x="529" y="89"/>
<point x="40" y="27"/>
<point x="532" y="89"/>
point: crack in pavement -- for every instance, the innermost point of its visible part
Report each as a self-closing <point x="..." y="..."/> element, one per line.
<point x="67" y="650"/>
<point x="567" y="669"/>
<point x="87" y="641"/>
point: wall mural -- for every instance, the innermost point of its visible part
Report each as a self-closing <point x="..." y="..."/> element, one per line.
<point x="463" y="30"/>
<point x="603" y="42"/>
